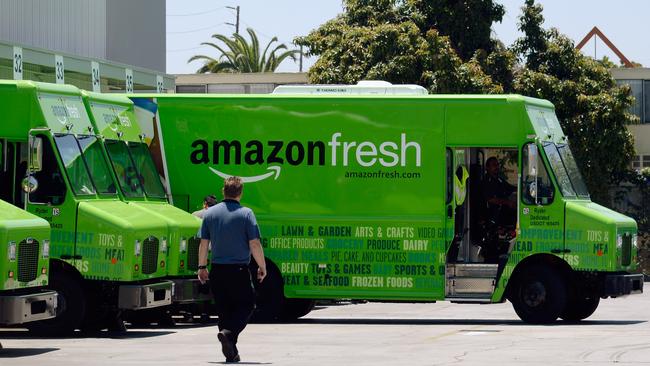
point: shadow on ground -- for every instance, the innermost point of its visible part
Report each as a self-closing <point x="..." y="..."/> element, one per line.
<point x="509" y="322"/>
<point x="24" y="352"/>
<point x="131" y="334"/>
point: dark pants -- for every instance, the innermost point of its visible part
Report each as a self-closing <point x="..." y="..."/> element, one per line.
<point x="234" y="296"/>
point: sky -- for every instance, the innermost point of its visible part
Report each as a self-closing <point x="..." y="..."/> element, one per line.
<point x="190" y="22"/>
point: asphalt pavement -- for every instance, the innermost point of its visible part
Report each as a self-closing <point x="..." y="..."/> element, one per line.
<point x="367" y="334"/>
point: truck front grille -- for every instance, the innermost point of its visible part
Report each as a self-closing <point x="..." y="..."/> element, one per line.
<point x="626" y="251"/>
<point x="193" y="254"/>
<point x="150" y="255"/>
<point x="27" y="260"/>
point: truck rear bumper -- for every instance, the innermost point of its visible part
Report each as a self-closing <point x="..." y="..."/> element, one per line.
<point x="19" y="309"/>
<point x="622" y="284"/>
<point x="188" y="290"/>
<point x="135" y="297"/>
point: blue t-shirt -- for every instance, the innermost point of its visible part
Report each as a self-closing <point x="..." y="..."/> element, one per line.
<point x="230" y="226"/>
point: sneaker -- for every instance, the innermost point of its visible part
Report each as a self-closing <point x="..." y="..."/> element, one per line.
<point x="227" y="347"/>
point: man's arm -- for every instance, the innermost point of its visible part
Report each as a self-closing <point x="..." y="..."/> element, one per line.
<point x="258" y="255"/>
<point x="203" y="260"/>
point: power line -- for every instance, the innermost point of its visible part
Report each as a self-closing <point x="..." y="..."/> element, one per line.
<point x="194" y="14"/>
<point x="185" y="49"/>
<point x="195" y="30"/>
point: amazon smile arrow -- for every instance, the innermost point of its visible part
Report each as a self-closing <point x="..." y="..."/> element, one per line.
<point x="274" y="170"/>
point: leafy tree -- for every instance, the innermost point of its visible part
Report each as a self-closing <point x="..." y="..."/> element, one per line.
<point x="592" y="109"/>
<point x="467" y="23"/>
<point x="238" y="55"/>
<point x="392" y="40"/>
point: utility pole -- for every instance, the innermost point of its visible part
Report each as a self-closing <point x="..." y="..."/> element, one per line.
<point x="301" y="58"/>
<point x="236" y="25"/>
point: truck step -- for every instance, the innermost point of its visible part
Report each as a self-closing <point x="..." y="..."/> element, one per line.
<point x="475" y="270"/>
<point x="470" y="287"/>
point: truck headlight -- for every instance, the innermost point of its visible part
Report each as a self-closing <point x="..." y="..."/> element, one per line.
<point x="183" y="246"/>
<point x="11" y="252"/>
<point x="138" y="248"/>
<point x="619" y="241"/>
<point x="634" y="240"/>
<point x="46" y="248"/>
<point x="163" y="245"/>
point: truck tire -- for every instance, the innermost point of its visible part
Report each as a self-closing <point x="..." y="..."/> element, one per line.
<point x="293" y="309"/>
<point x="269" y="294"/>
<point x="71" y="306"/>
<point x="580" y="307"/>
<point x="539" y="295"/>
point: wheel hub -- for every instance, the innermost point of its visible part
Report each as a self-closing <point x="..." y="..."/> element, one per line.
<point x="534" y="294"/>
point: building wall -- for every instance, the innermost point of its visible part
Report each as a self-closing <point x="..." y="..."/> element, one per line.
<point x="135" y="33"/>
<point x="638" y="79"/>
<point x="125" y="31"/>
<point x="72" y="26"/>
<point x="233" y="83"/>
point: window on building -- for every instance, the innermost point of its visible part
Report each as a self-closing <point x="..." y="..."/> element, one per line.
<point x="646" y="161"/>
<point x="637" y="92"/>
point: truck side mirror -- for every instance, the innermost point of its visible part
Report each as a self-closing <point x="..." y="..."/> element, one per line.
<point x="532" y="190"/>
<point x="35" y="154"/>
<point x="531" y="153"/>
<point x="29" y="184"/>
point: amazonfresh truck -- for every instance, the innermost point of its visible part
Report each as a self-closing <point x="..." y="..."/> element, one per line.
<point x="140" y="186"/>
<point x="105" y="255"/>
<point x="391" y="196"/>
<point x="24" y="264"/>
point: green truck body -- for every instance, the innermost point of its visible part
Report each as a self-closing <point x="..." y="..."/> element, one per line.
<point x="356" y="197"/>
<point x="106" y="256"/>
<point x="139" y="185"/>
<point x="24" y="266"/>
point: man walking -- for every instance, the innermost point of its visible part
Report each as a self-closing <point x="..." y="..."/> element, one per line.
<point x="233" y="231"/>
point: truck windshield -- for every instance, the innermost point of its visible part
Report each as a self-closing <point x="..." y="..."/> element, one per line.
<point x="124" y="169"/>
<point x="561" y="174"/>
<point x="145" y="166"/>
<point x="84" y="164"/>
<point x="566" y="171"/>
<point x="579" y="185"/>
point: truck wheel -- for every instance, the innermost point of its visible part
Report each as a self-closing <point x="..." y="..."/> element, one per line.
<point x="71" y="306"/>
<point x="293" y="309"/>
<point x="269" y="294"/>
<point x="540" y="295"/>
<point x="580" y="307"/>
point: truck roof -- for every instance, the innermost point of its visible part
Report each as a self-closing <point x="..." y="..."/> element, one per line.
<point x="436" y="97"/>
<point x="30" y="104"/>
<point x="493" y="119"/>
<point x="112" y="116"/>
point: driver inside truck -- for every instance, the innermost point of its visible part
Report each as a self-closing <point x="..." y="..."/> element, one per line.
<point x="497" y="193"/>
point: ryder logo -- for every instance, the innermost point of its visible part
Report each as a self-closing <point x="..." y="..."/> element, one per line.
<point x="335" y="152"/>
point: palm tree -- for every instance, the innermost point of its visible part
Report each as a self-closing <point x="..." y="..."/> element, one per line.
<point x="240" y="56"/>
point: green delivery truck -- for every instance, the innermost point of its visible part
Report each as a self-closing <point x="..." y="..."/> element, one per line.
<point x="105" y="255"/>
<point x="141" y="187"/>
<point x="24" y="263"/>
<point x="382" y="193"/>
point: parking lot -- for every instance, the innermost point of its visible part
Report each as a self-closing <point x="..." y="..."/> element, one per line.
<point x="368" y="334"/>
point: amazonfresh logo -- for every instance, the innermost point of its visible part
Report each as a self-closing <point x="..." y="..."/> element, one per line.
<point x="278" y="153"/>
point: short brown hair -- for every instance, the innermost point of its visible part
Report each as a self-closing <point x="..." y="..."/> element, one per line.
<point x="232" y="187"/>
